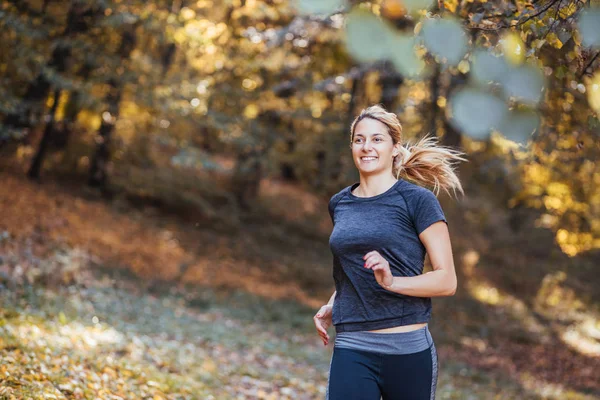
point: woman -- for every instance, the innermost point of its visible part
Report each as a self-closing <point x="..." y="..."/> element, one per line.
<point x="383" y="227"/>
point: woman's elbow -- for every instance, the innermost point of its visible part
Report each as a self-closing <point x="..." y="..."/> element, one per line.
<point x="451" y="291"/>
<point x="451" y="288"/>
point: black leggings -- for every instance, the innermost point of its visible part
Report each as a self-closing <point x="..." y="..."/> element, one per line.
<point x="367" y="375"/>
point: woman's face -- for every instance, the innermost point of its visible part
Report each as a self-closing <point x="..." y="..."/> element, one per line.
<point x="373" y="149"/>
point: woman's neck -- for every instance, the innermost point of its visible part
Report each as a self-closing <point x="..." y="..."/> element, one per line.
<point x="373" y="185"/>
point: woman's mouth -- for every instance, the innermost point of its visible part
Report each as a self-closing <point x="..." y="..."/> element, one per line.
<point x="368" y="159"/>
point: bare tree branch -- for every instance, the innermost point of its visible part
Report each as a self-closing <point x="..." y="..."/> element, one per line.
<point x="589" y="65"/>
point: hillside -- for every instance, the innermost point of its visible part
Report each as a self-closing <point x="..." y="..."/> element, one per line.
<point x="524" y="322"/>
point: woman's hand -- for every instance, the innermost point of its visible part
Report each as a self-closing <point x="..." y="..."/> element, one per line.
<point x="323" y="321"/>
<point x="380" y="267"/>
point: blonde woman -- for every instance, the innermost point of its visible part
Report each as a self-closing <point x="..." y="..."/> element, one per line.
<point x="383" y="227"/>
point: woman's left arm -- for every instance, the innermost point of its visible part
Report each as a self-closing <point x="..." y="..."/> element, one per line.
<point x="439" y="282"/>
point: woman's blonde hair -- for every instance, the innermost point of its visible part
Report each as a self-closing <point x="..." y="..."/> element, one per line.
<point x="426" y="162"/>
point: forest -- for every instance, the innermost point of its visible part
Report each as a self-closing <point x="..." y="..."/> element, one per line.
<point x="166" y="165"/>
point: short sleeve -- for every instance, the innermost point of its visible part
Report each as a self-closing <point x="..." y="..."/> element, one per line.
<point x="427" y="211"/>
<point x="331" y="207"/>
<point x="333" y="202"/>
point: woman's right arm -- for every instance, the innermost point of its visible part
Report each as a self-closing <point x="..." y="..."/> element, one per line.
<point x="323" y="319"/>
<point x="331" y="299"/>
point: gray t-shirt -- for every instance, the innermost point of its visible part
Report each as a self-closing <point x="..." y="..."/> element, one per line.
<point x="389" y="223"/>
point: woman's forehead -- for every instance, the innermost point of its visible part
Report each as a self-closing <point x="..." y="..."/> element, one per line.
<point x="369" y="126"/>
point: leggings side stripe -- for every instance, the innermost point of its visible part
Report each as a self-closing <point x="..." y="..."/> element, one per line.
<point x="434" y="371"/>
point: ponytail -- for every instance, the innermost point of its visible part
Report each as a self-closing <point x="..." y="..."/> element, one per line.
<point x="429" y="164"/>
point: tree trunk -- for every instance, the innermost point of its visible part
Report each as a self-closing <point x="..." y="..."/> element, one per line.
<point x="390" y="82"/>
<point x="287" y="169"/>
<point x="36" y="165"/>
<point x="341" y="139"/>
<point x="73" y="106"/>
<point x="101" y="158"/>
<point x="167" y="57"/>
<point x="246" y="177"/>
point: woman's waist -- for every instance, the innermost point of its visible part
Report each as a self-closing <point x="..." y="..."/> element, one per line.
<point x="400" y="328"/>
<point x="406" y="342"/>
<point x="389" y="323"/>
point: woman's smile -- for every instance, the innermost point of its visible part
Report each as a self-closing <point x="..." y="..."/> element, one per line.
<point x="368" y="159"/>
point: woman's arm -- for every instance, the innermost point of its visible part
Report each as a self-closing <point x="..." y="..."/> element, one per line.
<point x="322" y="319"/>
<point x="442" y="280"/>
<point x="439" y="282"/>
<point x="331" y="299"/>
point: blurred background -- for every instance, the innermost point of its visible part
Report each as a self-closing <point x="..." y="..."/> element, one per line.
<point x="165" y="168"/>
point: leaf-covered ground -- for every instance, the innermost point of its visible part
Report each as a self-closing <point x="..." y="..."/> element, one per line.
<point x="112" y="341"/>
<point x="104" y="342"/>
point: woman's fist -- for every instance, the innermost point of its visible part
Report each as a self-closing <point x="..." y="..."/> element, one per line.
<point x="322" y="321"/>
<point x="381" y="268"/>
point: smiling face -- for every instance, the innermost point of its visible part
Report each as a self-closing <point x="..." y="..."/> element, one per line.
<point x="373" y="149"/>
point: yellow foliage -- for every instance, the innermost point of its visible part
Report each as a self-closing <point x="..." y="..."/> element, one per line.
<point x="567" y="11"/>
<point x="372" y="87"/>
<point x="593" y="92"/>
<point x="277" y="58"/>
<point x="558" y="189"/>
<point x="451" y="5"/>
<point x="24" y="152"/>
<point x="204" y="3"/>
<point x="441" y="102"/>
<point x="552" y="202"/>
<point x="249" y="84"/>
<point x="62" y="102"/>
<point x="187" y="14"/>
<point x="577" y="37"/>
<point x="393" y="9"/>
<point x="513" y="48"/>
<point x="537" y="174"/>
<point x="316" y="111"/>
<point x="575" y="242"/>
<point x="251" y="111"/>
<point x="89" y="119"/>
<point x="553" y="40"/>
<point x="486" y="294"/>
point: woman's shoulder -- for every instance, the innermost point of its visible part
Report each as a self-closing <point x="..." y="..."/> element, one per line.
<point x="333" y="200"/>
<point x="414" y="190"/>
<point x="415" y="195"/>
